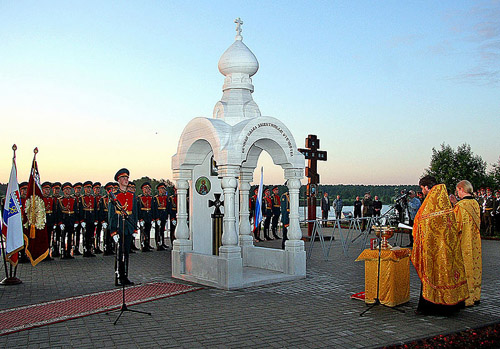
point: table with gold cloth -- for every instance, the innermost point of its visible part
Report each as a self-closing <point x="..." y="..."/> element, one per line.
<point x="394" y="276"/>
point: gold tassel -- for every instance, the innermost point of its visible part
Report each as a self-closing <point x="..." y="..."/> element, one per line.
<point x="32" y="231"/>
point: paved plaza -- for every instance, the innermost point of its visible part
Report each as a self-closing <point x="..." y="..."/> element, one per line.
<point x="315" y="312"/>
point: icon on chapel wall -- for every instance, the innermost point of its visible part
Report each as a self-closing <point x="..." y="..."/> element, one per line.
<point x="214" y="171"/>
<point x="202" y="185"/>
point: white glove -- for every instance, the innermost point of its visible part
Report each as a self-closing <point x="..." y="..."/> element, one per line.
<point x="152" y="222"/>
<point x="174" y="222"/>
<point x="142" y="224"/>
<point x="158" y="222"/>
<point x="104" y="225"/>
<point x="95" y="223"/>
<point x="83" y="225"/>
<point x="54" y="227"/>
<point x="116" y="238"/>
<point x="75" y="225"/>
<point x="61" y="226"/>
<point x="134" y="234"/>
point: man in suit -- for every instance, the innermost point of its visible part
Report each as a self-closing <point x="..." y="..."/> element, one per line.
<point x="325" y="207"/>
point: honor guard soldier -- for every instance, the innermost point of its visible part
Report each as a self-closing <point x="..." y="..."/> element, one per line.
<point x="23" y="190"/>
<point x="49" y="213"/>
<point x="96" y="188"/>
<point x="131" y="189"/>
<point x="122" y="210"/>
<point x="160" y="216"/>
<point x="77" y="187"/>
<point x="108" y="240"/>
<point x="285" y="216"/>
<point x="144" y="201"/>
<point x="172" y="213"/>
<point x="253" y="200"/>
<point x="267" y="211"/>
<point x="56" y="239"/>
<point x="88" y="206"/>
<point x="67" y="220"/>
<point x="276" y="212"/>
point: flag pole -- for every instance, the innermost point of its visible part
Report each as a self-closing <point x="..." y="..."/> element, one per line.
<point x="32" y="226"/>
<point x="4" y="253"/>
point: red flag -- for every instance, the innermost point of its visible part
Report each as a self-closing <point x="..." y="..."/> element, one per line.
<point x="35" y="232"/>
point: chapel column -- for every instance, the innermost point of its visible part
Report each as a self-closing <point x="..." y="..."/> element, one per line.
<point x="182" y="242"/>
<point x="229" y="185"/>
<point x="246" y="177"/>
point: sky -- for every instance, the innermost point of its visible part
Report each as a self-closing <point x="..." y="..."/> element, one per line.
<point x="101" y="85"/>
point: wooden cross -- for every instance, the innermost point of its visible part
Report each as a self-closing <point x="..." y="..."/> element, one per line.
<point x="312" y="154"/>
<point x="238" y="22"/>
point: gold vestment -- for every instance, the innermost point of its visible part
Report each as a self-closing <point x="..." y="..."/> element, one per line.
<point x="467" y="213"/>
<point x="437" y="252"/>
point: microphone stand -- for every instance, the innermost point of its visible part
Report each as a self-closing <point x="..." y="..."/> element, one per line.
<point x="121" y="243"/>
<point x="377" y="299"/>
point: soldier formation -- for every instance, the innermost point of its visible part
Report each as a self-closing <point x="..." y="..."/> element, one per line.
<point x="489" y="205"/>
<point x="78" y="220"/>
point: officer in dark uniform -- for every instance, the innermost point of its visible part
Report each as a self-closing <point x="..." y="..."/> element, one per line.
<point x="49" y="213"/>
<point x="67" y="220"/>
<point x="285" y="215"/>
<point x="276" y="211"/>
<point x="144" y="201"/>
<point x="172" y="213"/>
<point x="96" y="187"/>
<point x="108" y="240"/>
<point x="489" y="210"/>
<point x="123" y="224"/>
<point x="253" y="200"/>
<point x="77" y="187"/>
<point x="160" y="216"/>
<point x="56" y="239"/>
<point x="88" y="206"/>
<point x="267" y="212"/>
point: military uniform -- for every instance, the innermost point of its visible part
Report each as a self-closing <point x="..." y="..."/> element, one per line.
<point x="172" y="213"/>
<point x="285" y="216"/>
<point x="77" y="187"/>
<point x="144" y="201"/>
<point x="276" y="212"/>
<point x="123" y="228"/>
<point x="160" y="216"/>
<point x="56" y="238"/>
<point x="267" y="212"/>
<point x="130" y="188"/>
<point x="488" y="211"/>
<point x="253" y="200"/>
<point x="67" y="220"/>
<point x="88" y="218"/>
<point x="103" y="217"/>
<point x="96" y="187"/>
<point x="49" y="213"/>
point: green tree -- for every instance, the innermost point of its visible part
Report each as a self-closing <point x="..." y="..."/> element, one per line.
<point x="494" y="174"/>
<point x="450" y="166"/>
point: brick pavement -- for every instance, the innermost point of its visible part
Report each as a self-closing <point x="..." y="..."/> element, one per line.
<point x="311" y="313"/>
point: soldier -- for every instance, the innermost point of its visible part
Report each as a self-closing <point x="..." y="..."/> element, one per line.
<point x="96" y="187"/>
<point x="481" y="200"/>
<point x="49" y="213"/>
<point x="144" y="201"/>
<point x="285" y="215"/>
<point x="123" y="223"/>
<point x="160" y="216"/>
<point x="172" y="212"/>
<point x="276" y="212"/>
<point x="253" y="200"/>
<point x="23" y="190"/>
<point x="108" y="240"/>
<point x="88" y="218"/>
<point x="131" y="189"/>
<point x="267" y="212"/>
<point x="67" y="220"/>
<point x="497" y="211"/>
<point x="77" y="187"/>
<point x="56" y="239"/>
<point x="488" y="211"/>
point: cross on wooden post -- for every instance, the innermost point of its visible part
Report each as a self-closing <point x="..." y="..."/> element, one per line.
<point x="312" y="154"/>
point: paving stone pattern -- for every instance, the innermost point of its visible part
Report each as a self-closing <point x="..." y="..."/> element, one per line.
<point x="315" y="312"/>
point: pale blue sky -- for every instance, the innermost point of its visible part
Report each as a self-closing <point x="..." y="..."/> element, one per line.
<point x="98" y="85"/>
